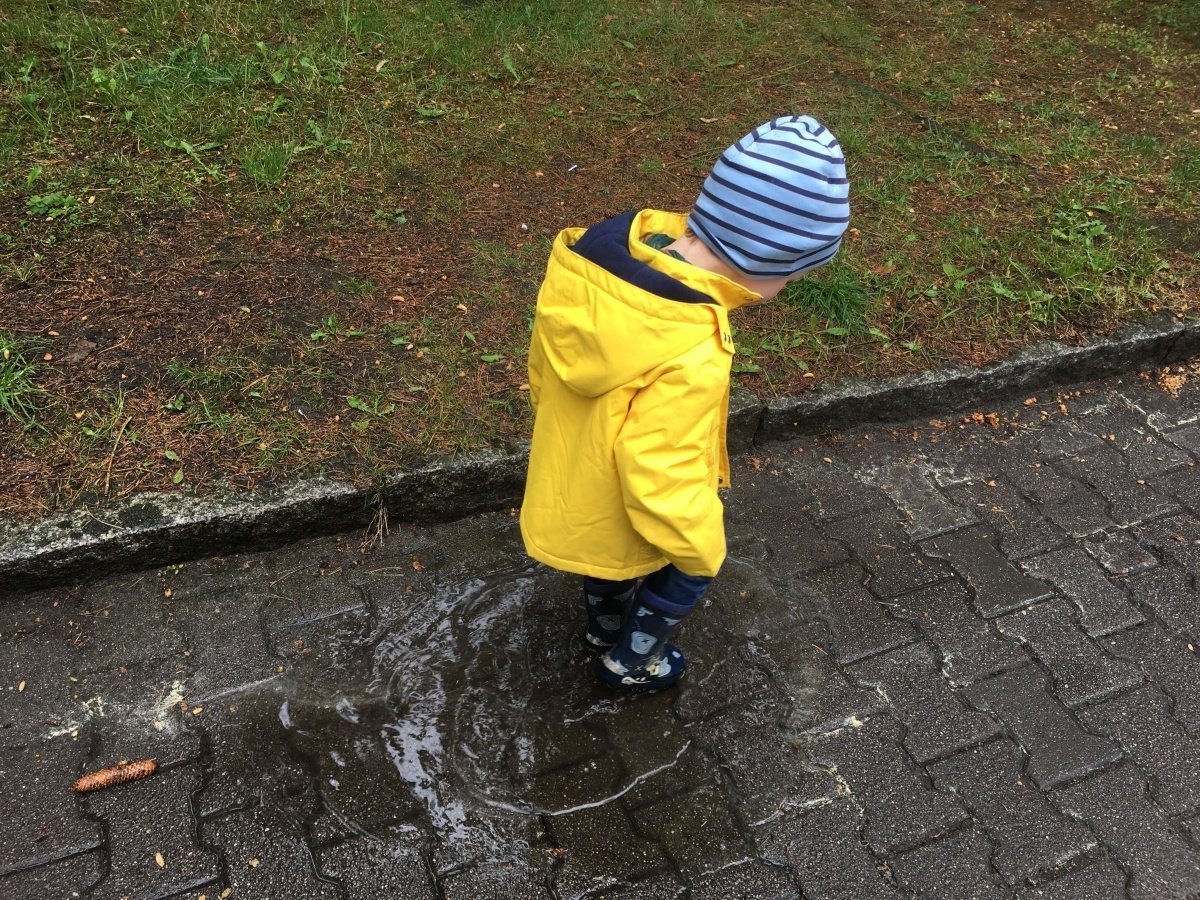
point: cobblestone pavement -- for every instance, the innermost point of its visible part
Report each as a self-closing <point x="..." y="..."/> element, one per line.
<point x="945" y="660"/>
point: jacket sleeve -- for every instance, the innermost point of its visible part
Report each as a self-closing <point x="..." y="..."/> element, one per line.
<point x="666" y="457"/>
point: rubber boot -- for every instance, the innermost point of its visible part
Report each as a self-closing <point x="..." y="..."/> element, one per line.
<point x="642" y="656"/>
<point x="606" y="602"/>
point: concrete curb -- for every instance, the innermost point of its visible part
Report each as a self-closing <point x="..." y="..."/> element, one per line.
<point x="156" y="529"/>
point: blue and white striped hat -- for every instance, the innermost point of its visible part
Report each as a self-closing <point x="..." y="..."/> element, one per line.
<point x="777" y="201"/>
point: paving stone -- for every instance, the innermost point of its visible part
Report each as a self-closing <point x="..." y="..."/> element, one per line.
<point x="899" y="810"/>
<point x="147" y="818"/>
<point x="830" y="493"/>
<point x="308" y="598"/>
<point x="858" y="623"/>
<point x="1114" y="803"/>
<point x="1140" y="722"/>
<point x="43" y="822"/>
<point x="952" y="868"/>
<point x="1100" y="879"/>
<point x="1074" y="507"/>
<point x="265" y="856"/>
<point x="128" y="623"/>
<point x="936" y="721"/>
<point x="70" y="877"/>
<point x="1103" y="607"/>
<point x="1170" y="662"/>
<point x="43" y="641"/>
<point x="601" y="847"/>
<point x="1059" y="749"/>
<point x="750" y="879"/>
<point x="1082" y="672"/>
<point x="1058" y="438"/>
<point x="801" y="548"/>
<point x="998" y="585"/>
<point x="928" y="511"/>
<point x="1187" y="438"/>
<point x="1106" y="470"/>
<point x="1149" y="456"/>
<point x="970" y="648"/>
<point x="389" y="865"/>
<point x="1017" y="524"/>
<point x="692" y="769"/>
<point x="838" y="702"/>
<point x="228" y="650"/>
<point x="662" y="886"/>
<point x="1029" y="834"/>
<point x="1170" y="593"/>
<point x="895" y="564"/>
<point x="698" y="830"/>
<point x="824" y="850"/>
<point x="646" y="736"/>
<point x="1184" y="485"/>
<point x="1121" y="556"/>
<point x="769" y="772"/>
<point x="1176" y="539"/>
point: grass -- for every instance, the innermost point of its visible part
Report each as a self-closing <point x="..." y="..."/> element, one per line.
<point x="310" y="234"/>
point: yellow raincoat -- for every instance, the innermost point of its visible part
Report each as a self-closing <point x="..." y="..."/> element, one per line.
<point x="630" y="392"/>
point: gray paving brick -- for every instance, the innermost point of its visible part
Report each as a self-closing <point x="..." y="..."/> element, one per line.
<point x="1183" y="485"/>
<point x="601" y="847"/>
<point x="1074" y="507"/>
<point x="936" y="721"/>
<point x="146" y="818"/>
<point x="265" y="856"/>
<point x="1082" y="671"/>
<point x="1186" y="438"/>
<point x="43" y="821"/>
<point x="389" y="865"/>
<point x="1030" y="835"/>
<point x="1173" y="597"/>
<point x="970" y="648"/>
<point x="1149" y="456"/>
<point x="1140" y="722"/>
<point x="1017" y="524"/>
<point x="1176" y="539"/>
<point x="1059" y="437"/>
<point x="1105" y="470"/>
<point x="698" y="830"/>
<point x="128" y="623"/>
<point x="1169" y="661"/>
<point x="900" y="811"/>
<point x="952" y="868"/>
<point x="661" y="886"/>
<point x="998" y="585"/>
<point x="1103" y="607"/>
<point x="769" y="772"/>
<point x="751" y="879"/>
<point x="928" y="511"/>
<point x="1100" y="879"/>
<point x="70" y="877"/>
<point x="895" y="564"/>
<point x="838" y="701"/>
<point x="825" y="851"/>
<point x="802" y="547"/>
<point x="1121" y="556"/>
<point x="1059" y="749"/>
<point x="858" y="623"/>
<point x="828" y="499"/>
<point x="1114" y="804"/>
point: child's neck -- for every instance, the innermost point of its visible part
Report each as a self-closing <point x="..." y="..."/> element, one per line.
<point x="696" y="252"/>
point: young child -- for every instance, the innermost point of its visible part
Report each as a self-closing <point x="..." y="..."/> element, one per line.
<point x="629" y="378"/>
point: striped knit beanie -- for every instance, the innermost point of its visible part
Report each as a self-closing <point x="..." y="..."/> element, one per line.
<point x="777" y="201"/>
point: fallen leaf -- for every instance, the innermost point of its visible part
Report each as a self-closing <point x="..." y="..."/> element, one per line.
<point x="254" y="862"/>
<point x="417" y="564"/>
<point x="158" y="858"/>
<point x="21" y="688"/>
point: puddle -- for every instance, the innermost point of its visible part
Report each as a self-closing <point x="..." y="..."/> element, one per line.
<point x="465" y="715"/>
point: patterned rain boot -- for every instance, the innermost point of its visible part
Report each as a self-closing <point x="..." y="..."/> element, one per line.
<point x="606" y="602"/>
<point x="642" y="658"/>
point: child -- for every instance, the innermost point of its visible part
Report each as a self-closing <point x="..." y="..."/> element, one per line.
<point x="629" y="378"/>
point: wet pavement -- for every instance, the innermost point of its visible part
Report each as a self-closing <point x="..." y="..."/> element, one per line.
<point x="946" y="659"/>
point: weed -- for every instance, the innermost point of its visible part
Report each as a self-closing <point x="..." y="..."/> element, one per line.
<point x="267" y="164"/>
<point x="55" y="206"/>
<point x="18" y="392"/>
<point x="836" y="294"/>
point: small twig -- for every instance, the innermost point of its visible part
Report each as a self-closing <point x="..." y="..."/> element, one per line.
<point x="113" y="455"/>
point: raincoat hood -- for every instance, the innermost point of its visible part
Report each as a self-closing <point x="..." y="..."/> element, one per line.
<point x="606" y="323"/>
